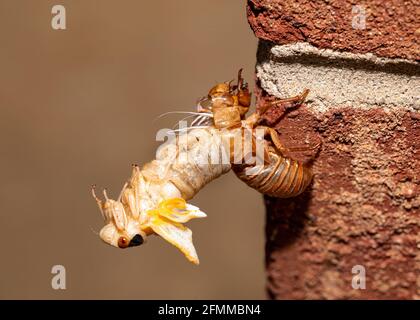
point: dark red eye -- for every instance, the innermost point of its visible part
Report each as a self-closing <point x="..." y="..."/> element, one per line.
<point x="123" y="242"/>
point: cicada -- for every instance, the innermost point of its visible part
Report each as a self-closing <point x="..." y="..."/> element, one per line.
<point x="154" y="201"/>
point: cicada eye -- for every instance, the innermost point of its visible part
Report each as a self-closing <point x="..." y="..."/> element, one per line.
<point x="123" y="242"/>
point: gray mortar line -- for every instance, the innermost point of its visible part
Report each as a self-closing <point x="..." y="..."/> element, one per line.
<point x="338" y="79"/>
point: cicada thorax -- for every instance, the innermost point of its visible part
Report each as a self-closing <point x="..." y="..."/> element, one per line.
<point x="279" y="176"/>
<point x="224" y="107"/>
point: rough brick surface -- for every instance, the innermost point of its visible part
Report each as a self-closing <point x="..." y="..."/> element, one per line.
<point x="392" y="27"/>
<point x="363" y="207"/>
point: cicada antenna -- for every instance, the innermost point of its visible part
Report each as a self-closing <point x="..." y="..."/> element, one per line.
<point x="98" y="201"/>
<point x="121" y="193"/>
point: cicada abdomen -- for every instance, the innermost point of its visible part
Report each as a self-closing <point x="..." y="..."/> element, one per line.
<point x="281" y="177"/>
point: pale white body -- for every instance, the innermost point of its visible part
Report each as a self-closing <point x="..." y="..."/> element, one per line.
<point x="182" y="167"/>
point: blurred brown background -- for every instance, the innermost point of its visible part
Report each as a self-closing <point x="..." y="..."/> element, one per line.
<point x="77" y="107"/>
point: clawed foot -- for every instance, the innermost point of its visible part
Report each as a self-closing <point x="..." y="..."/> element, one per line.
<point x="284" y="104"/>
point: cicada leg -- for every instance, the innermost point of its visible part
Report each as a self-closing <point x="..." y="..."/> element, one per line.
<point x="266" y="154"/>
<point x="282" y="104"/>
<point x="249" y="148"/>
<point x="285" y="103"/>
<point x="278" y="145"/>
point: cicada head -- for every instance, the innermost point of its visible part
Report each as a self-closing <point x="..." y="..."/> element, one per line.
<point x="122" y="230"/>
<point x="126" y="228"/>
<point x="218" y="97"/>
<point x="220" y="89"/>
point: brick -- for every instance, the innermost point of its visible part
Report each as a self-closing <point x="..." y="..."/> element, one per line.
<point x="363" y="207"/>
